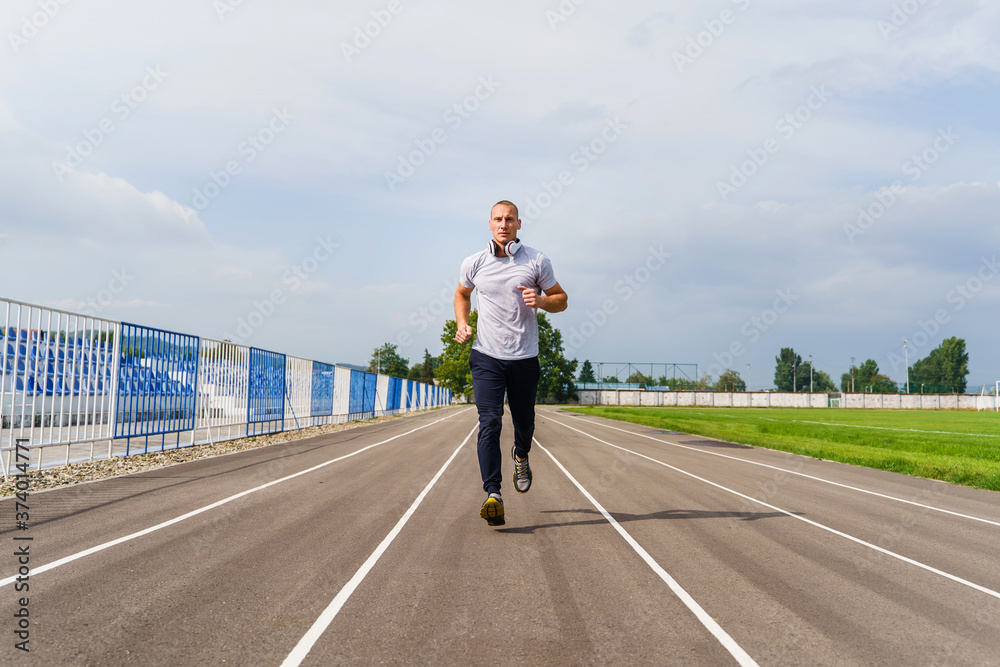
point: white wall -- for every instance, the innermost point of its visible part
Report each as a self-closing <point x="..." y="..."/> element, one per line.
<point x="774" y="399"/>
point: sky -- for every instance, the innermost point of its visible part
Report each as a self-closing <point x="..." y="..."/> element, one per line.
<point x="712" y="181"/>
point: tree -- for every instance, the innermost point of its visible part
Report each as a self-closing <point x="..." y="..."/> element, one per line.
<point x="428" y="367"/>
<point x="786" y="371"/>
<point x="730" y="380"/>
<point x="387" y="361"/>
<point x="849" y="379"/>
<point x="453" y="371"/>
<point x="945" y="368"/>
<point x="587" y="372"/>
<point x="640" y="379"/>
<point x="424" y="372"/>
<point x="866" y="371"/>
<point x="867" y="378"/>
<point x="611" y="379"/>
<point x="556" y="382"/>
<point x="704" y="383"/>
<point x="822" y="382"/>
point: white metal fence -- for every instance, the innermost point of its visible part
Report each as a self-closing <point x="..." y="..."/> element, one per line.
<point x="75" y="387"/>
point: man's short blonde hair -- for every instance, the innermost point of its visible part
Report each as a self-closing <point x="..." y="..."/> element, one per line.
<point x="504" y="202"/>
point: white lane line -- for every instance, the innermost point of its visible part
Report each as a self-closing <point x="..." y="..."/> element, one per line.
<point x="905" y="430"/>
<point x="710" y="623"/>
<point x="946" y="575"/>
<point x="309" y="639"/>
<point x="101" y="547"/>
<point x="881" y="428"/>
<point x="800" y="474"/>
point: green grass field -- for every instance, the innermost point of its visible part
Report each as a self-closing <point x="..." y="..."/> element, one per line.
<point x="958" y="447"/>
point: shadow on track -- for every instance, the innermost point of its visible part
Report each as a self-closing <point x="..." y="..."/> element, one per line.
<point x="713" y="443"/>
<point x="652" y="516"/>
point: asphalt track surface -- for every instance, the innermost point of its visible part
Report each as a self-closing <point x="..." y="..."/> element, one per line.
<point x="634" y="546"/>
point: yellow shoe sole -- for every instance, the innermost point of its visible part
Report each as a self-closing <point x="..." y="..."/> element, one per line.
<point x="492" y="511"/>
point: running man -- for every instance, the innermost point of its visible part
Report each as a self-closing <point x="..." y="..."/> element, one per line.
<point x="513" y="280"/>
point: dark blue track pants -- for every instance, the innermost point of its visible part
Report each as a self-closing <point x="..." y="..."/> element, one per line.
<point x="490" y="379"/>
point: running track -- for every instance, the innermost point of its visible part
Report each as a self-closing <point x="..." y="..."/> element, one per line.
<point x="634" y="546"/>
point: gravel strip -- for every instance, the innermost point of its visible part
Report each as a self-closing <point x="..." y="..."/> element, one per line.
<point x="88" y="471"/>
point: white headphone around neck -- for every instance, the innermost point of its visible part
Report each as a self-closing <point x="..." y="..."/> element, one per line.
<point x="510" y="248"/>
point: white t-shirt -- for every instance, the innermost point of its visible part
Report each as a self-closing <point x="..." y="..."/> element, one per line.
<point x="506" y="329"/>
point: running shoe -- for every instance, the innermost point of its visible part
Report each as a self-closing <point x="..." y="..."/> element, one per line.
<point x="492" y="510"/>
<point x="522" y="473"/>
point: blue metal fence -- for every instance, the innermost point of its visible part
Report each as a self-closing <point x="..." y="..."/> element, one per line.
<point x="72" y="381"/>
<point x="157" y="379"/>
<point x="322" y="389"/>
<point x="395" y="391"/>
<point x="266" y="407"/>
<point x="357" y="405"/>
<point x="371" y="382"/>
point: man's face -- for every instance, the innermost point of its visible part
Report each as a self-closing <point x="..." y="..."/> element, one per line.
<point x="504" y="223"/>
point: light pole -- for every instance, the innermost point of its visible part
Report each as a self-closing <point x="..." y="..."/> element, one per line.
<point x="852" y="375"/>
<point x="747" y="383"/>
<point x="906" y="354"/>
<point x="810" y="373"/>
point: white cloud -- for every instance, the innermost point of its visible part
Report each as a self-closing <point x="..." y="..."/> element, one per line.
<point x="126" y="205"/>
<point x="7" y="120"/>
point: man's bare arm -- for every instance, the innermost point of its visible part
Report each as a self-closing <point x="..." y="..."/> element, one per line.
<point x="463" y="306"/>
<point x="555" y="299"/>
